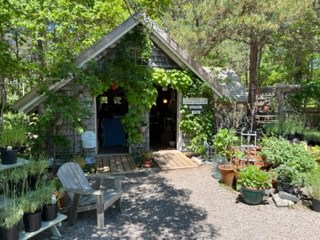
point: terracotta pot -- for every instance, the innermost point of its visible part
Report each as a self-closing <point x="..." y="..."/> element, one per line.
<point x="227" y="174"/>
<point x="147" y="163"/>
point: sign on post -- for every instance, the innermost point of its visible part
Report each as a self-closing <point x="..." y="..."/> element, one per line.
<point x="195" y="104"/>
<point x="195" y="101"/>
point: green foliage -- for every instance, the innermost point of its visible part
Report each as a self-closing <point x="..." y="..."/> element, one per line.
<point x="293" y="124"/>
<point x="224" y="141"/>
<point x="292" y="162"/>
<point x="314" y="184"/>
<point x="13" y="137"/>
<point x="312" y="135"/>
<point x="308" y="94"/>
<point x="315" y="152"/>
<point x="31" y="201"/>
<point x="11" y="213"/>
<point x="253" y="177"/>
<point x="46" y="193"/>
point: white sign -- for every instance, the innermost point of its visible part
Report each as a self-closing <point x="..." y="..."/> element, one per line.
<point x="191" y="101"/>
<point x="195" y="107"/>
<point x="196" y="112"/>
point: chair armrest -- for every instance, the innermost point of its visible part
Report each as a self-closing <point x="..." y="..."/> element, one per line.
<point x="117" y="181"/>
<point x="83" y="191"/>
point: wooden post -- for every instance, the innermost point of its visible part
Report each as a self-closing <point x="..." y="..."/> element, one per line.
<point x="100" y="211"/>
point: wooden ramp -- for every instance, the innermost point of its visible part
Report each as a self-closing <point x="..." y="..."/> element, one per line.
<point x="173" y="159"/>
<point x="115" y="164"/>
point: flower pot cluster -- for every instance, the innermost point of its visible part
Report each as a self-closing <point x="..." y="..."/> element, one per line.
<point x="277" y="163"/>
<point x="32" y="204"/>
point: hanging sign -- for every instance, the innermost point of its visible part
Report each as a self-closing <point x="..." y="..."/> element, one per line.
<point x="195" y="107"/>
<point x="194" y="101"/>
<point x="196" y="112"/>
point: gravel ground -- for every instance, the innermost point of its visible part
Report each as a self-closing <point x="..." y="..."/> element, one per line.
<point x="190" y="204"/>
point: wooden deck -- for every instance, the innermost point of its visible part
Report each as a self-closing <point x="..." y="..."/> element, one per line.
<point x="173" y="159"/>
<point x="115" y="164"/>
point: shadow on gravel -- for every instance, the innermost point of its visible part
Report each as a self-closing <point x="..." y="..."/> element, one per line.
<point x="151" y="209"/>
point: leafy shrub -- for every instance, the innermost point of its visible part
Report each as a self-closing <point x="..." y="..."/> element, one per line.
<point x="293" y="163"/>
<point x="253" y="177"/>
<point x="223" y="142"/>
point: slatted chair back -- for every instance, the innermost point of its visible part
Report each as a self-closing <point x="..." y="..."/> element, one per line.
<point x="72" y="176"/>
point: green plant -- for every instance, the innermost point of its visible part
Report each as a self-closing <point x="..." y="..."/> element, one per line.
<point x="314" y="184"/>
<point x="315" y="152"/>
<point x="46" y="193"/>
<point x="292" y="124"/>
<point x="11" y="213"/>
<point x="312" y="135"/>
<point x="253" y="177"/>
<point x="13" y="137"/>
<point x="146" y="156"/>
<point x="293" y="163"/>
<point x="223" y="142"/>
<point x="31" y="202"/>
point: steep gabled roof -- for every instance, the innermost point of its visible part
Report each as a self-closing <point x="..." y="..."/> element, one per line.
<point x="31" y="100"/>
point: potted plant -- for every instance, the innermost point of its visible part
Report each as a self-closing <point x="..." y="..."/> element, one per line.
<point x="49" y="200"/>
<point x="11" y="139"/>
<point x="314" y="190"/>
<point x="10" y="216"/>
<point x="253" y="182"/>
<point x="146" y="159"/>
<point x="36" y="170"/>
<point x="31" y="205"/>
<point x="223" y="142"/>
<point x="143" y="126"/>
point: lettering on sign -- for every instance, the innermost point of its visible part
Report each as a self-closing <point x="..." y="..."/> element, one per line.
<point x="194" y="101"/>
<point x="195" y="107"/>
<point x="196" y="112"/>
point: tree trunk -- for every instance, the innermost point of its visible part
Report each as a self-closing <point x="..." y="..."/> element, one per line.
<point x="253" y="74"/>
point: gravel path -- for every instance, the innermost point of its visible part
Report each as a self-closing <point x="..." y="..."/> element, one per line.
<point x="190" y="204"/>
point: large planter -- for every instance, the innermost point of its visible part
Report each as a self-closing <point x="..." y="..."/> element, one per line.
<point x="32" y="221"/>
<point x="49" y="212"/>
<point x="9" y="156"/>
<point x="315" y="204"/>
<point x="10" y="233"/>
<point x="252" y="196"/>
<point x="227" y="174"/>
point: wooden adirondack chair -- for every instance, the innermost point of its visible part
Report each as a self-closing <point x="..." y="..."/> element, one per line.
<point x="86" y="197"/>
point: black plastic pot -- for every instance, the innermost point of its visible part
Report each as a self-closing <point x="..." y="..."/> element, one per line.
<point x="49" y="212"/>
<point x="8" y="156"/>
<point x="315" y="204"/>
<point x="10" y="233"/>
<point x="16" y="188"/>
<point x="32" y="221"/>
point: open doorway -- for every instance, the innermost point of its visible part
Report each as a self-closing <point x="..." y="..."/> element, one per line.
<point x="163" y="120"/>
<point x="112" y="105"/>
